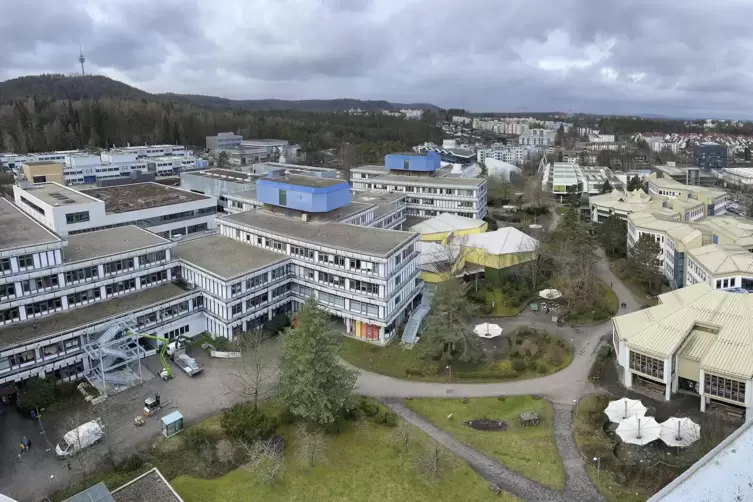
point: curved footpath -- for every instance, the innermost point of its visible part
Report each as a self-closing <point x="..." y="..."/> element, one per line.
<point x="562" y="389"/>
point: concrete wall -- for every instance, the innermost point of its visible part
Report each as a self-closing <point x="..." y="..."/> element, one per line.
<point x="45" y="173"/>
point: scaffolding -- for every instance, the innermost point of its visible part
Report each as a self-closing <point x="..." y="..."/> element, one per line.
<point x="114" y="357"/>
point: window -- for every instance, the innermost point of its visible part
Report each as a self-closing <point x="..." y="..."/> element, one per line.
<point x="117" y="266"/>
<point x="647" y="365"/>
<point x="81" y="274"/>
<point x="235" y="289"/>
<point x="7" y="290"/>
<point x="256" y="301"/>
<point x="237" y="309"/>
<point x="81" y="217"/>
<point x="280" y="290"/>
<point x="83" y="297"/>
<point x="283" y="198"/>
<point x="364" y="287"/>
<point x="43" y="307"/>
<point x="22" y="358"/>
<point x="397" y="300"/>
<point x="9" y="315"/>
<point x="5" y="265"/>
<point x="256" y="281"/>
<point x="26" y="261"/>
<point x="724" y="387"/>
<point x="40" y="283"/>
<point x="120" y="287"/>
<point x="397" y="280"/>
<point x="155" y="257"/>
<point x="406" y="164"/>
<point x="153" y="278"/>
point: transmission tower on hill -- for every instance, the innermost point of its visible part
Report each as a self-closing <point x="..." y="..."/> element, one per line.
<point x="82" y="60"/>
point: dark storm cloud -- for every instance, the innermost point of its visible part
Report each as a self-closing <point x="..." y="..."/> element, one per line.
<point x="621" y="56"/>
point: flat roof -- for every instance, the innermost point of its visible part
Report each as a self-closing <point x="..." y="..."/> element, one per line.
<point x="246" y="195"/>
<point x="371" y="241"/>
<point x="19" y="230"/>
<point x="42" y="163"/>
<point x="225" y="257"/>
<point x="226" y="174"/>
<point x="150" y="486"/>
<point x="428" y="180"/>
<point x="57" y="194"/>
<point x="306" y="181"/>
<point x="44" y="327"/>
<point x="661" y="330"/>
<point x="137" y="196"/>
<point x="370" y="169"/>
<point x="370" y="197"/>
<point x="118" y="240"/>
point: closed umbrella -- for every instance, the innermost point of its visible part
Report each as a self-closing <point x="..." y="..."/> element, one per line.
<point x="624" y="408"/>
<point x="487" y="330"/>
<point x="641" y="431"/>
<point x="550" y="294"/>
<point x="680" y="432"/>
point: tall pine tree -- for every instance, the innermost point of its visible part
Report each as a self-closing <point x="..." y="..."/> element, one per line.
<point x="313" y="384"/>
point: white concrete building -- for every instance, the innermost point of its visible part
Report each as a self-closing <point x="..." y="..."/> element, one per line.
<point x="720" y="266"/>
<point x="696" y="340"/>
<point x="164" y="210"/>
<point x="511" y="154"/>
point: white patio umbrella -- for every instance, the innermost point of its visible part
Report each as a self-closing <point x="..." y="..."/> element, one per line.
<point x="550" y="294"/>
<point x="680" y="432"/>
<point x="624" y="408"/>
<point x="487" y="330"/>
<point x="635" y="430"/>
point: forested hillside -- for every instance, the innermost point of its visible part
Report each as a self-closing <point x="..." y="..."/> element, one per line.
<point x="48" y="122"/>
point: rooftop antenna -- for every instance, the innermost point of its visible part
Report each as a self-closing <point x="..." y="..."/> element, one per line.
<point x="82" y="60"/>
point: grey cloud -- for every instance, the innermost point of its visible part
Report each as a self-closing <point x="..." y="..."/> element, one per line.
<point x="664" y="56"/>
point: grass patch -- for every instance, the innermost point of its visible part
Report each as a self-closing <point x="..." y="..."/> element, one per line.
<point x="501" y="306"/>
<point x="605" y="308"/>
<point x="638" y="290"/>
<point x="361" y="465"/>
<point x="530" y="451"/>
<point x="562" y="211"/>
<point x="533" y="353"/>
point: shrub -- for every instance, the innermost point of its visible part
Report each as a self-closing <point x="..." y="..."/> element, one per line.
<point x="485" y="375"/>
<point x="518" y="365"/>
<point x="369" y="407"/>
<point x="542" y="367"/>
<point x="286" y="417"/>
<point x="335" y="427"/>
<point x="411" y="372"/>
<point x="131" y="463"/>
<point x="247" y="423"/>
<point x="195" y="439"/>
<point x="277" y="324"/>
<point x="532" y="365"/>
<point x="504" y="368"/>
<point x="555" y="355"/>
<point x="387" y="418"/>
<point x="36" y="393"/>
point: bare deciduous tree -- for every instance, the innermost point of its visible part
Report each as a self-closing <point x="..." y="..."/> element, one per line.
<point x="225" y="451"/>
<point x="265" y="459"/>
<point x="253" y="375"/>
<point x="312" y="446"/>
<point x="401" y="436"/>
<point x="434" y="462"/>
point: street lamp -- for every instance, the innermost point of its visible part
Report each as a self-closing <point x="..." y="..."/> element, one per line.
<point x="449" y="369"/>
<point x="598" y="466"/>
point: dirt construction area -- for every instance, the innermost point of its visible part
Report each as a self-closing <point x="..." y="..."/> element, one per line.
<point x="39" y="472"/>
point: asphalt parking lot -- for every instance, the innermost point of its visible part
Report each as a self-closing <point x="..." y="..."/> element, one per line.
<point x="40" y="472"/>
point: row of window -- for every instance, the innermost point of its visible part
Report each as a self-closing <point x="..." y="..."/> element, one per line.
<point x="647" y="365"/>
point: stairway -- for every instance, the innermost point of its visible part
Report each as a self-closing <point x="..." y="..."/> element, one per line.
<point x="413" y="326"/>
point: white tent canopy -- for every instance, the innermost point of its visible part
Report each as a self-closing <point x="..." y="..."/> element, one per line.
<point x="639" y="431"/>
<point x="550" y="294"/>
<point x="624" y="408"/>
<point x="487" y="330"/>
<point x="680" y="432"/>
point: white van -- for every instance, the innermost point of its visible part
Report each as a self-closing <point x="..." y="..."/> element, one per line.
<point x="79" y="438"/>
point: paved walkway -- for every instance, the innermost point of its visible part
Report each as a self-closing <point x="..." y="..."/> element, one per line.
<point x="562" y="389"/>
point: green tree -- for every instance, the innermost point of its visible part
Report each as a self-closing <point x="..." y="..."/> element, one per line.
<point x="484" y="170"/>
<point x="36" y="393"/>
<point x="634" y="183"/>
<point x="612" y="236"/>
<point x="604" y="158"/>
<point x="247" y="423"/>
<point x="606" y="187"/>
<point x="222" y="160"/>
<point x="313" y="383"/>
<point x="448" y="335"/>
<point x="643" y="260"/>
<point x="746" y="154"/>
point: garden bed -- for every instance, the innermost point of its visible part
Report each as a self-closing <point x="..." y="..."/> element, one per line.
<point x="486" y="424"/>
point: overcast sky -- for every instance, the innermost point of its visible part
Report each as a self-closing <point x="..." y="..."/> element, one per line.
<point x="672" y="57"/>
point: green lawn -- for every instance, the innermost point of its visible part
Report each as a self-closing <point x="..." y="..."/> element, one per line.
<point x="397" y="362"/>
<point x="528" y="450"/>
<point x="501" y="308"/>
<point x="562" y="211"/>
<point x="360" y="466"/>
<point x="638" y="290"/>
